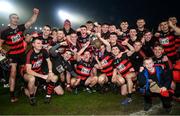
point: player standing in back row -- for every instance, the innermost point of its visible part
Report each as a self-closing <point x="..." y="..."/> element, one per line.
<point x="13" y="37"/>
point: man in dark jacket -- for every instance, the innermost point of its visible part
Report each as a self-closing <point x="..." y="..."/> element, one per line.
<point x="153" y="77"/>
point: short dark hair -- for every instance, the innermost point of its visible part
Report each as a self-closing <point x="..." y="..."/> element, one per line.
<point x="12" y="15"/>
<point x="83" y="26"/>
<point x="89" y="22"/>
<point x="35" y="38"/>
<point x="88" y="50"/>
<point x="113" y="33"/>
<point x="74" y="33"/>
<point x="147" y="58"/>
<point x="105" y="24"/>
<point x="157" y="45"/>
<point x="138" y="41"/>
<point x="147" y="31"/>
<point x="48" y="26"/>
<point x="163" y="20"/>
<point x="55" y="29"/>
<point x="60" y="30"/>
<point x="27" y="34"/>
<point x="123" y="21"/>
<point x="112" y="25"/>
<point x="116" y="46"/>
<point x="140" y="19"/>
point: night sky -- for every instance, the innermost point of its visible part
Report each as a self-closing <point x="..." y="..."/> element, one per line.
<point x="111" y="11"/>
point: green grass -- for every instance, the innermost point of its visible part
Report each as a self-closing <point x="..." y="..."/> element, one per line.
<point x="70" y="104"/>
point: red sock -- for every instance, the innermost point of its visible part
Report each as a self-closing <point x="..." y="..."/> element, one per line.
<point x="50" y="88"/>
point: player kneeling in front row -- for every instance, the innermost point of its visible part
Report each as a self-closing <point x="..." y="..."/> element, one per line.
<point x="84" y="69"/>
<point x="34" y="73"/>
<point x="123" y="73"/>
<point x="104" y="64"/>
<point x="62" y="63"/>
<point x="153" y="81"/>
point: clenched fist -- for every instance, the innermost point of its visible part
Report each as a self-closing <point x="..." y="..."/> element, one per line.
<point x="36" y="11"/>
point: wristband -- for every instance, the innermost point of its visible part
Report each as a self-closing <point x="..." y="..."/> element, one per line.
<point x="50" y="71"/>
<point x="164" y="93"/>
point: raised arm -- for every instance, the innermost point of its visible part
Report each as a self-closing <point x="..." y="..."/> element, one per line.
<point x="98" y="65"/>
<point x="131" y="48"/>
<point x="105" y="42"/>
<point x="175" y="28"/>
<point x="1" y="43"/>
<point x="52" y="50"/>
<point x="78" y="55"/>
<point x="33" y="18"/>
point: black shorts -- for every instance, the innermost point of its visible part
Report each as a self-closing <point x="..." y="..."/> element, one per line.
<point x="39" y="81"/>
<point x="173" y="59"/>
<point x="109" y="78"/>
<point x="17" y="58"/>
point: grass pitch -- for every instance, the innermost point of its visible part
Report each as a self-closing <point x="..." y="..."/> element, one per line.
<point x="81" y="104"/>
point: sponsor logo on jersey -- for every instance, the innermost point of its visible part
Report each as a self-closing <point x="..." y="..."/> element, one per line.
<point x="164" y="41"/>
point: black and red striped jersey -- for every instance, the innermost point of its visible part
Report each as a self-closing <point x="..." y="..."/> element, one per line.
<point x="123" y="64"/>
<point x="83" y="69"/>
<point x="105" y="35"/>
<point x="167" y="40"/>
<point x="14" y="38"/>
<point x="177" y="41"/>
<point x="46" y="42"/>
<point x="75" y="47"/>
<point x="124" y="36"/>
<point x="106" y="60"/>
<point x="36" y="59"/>
<point x="159" y="62"/>
<point x="83" y="40"/>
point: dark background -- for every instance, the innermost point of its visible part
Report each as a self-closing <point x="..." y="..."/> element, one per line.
<point x="111" y="11"/>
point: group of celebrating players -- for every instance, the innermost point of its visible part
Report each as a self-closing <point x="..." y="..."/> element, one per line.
<point x="94" y="57"/>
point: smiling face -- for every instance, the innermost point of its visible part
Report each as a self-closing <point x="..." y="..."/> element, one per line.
<point x="86" y="56"/>
<point x="132" y="33"/>
<point x="60" y="35"/>
<point x="67" y="25"/>
<point x="46" y="31"/>
<point x="164" y="26"/>
<point x="137" y="46"/>
<point x="112" y="28"/>
<point x="67" y="55"/>
<point x="149" y="64"/>
<point x="124" y="25"/>
<point x="105" y="28"/>
<point x="74" y="37"/>
<point x="113" y="39"/>
<point x="148" y="36"/>
<point x="97" y="29"/>
<point x="173" y="20"/>
<point x="158" y="51"/>
<point x="83" y="30"/>
<point x="37" y="44"/>
<point x="14" y="19"/>
<point x="54" y="33"/>
<point x="89" y="26"/>
<point x="140" y="23"/>
<point x="115" y="50"/>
